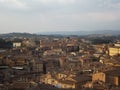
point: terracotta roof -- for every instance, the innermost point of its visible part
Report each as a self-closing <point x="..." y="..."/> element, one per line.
<point x="20" y="85"/>
<point x="113" y="73"/>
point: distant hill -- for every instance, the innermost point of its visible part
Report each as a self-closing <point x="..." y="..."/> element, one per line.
<point x="26" y="35"/>
<point x="8" y="35"/>
<point x="109" y="32"/>
<point x="14" y="34"/>
<point x="96" y="33"/>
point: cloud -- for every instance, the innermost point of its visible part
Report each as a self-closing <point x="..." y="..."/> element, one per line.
<point x="111" y="3"/>
<point x="115" y="5"/>
<point x="59" y="14"/>
<point x="56" y="1"/>
<point x="88" y="4"/>
<point x="13" y="3"/>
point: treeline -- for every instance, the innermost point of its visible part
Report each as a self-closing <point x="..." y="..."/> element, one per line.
<point x="103" y="40"/>
<point x="5" y="44"/>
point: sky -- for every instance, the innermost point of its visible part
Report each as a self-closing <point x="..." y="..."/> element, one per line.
<point x="36" y="16"/>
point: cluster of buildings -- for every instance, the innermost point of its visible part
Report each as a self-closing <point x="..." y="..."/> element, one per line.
<point x="63" y="63"/>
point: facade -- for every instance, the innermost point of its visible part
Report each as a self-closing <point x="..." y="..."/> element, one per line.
<point x="117" y="44"/>
<point x="98" y="76"/>
<point x="111" y="77"/>
<point x="114" y="51"/>
<point x="38" y="67"/>
<point x="17" y="44"/>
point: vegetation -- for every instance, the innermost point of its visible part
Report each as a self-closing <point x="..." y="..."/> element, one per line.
<point x="5" y="44"/>
<point x="101" y="41"/>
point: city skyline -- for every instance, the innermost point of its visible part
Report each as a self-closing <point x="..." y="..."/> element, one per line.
<point x="58" y="15"/>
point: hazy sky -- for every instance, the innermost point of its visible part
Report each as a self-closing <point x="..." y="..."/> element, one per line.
<point x="58" y="15"/>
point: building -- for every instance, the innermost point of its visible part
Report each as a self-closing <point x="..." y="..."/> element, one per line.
<point x="114" y="51"/>
<point x="17" y="44"/>
<point x="110" y="77"/>
<point x="65" y="80"/>
<point x="98" y="77"/>
<point x="117" y="44"/>
<point x="20" y="86"/>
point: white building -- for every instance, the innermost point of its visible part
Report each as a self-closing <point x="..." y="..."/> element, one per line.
<point x="17" y="44"/>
